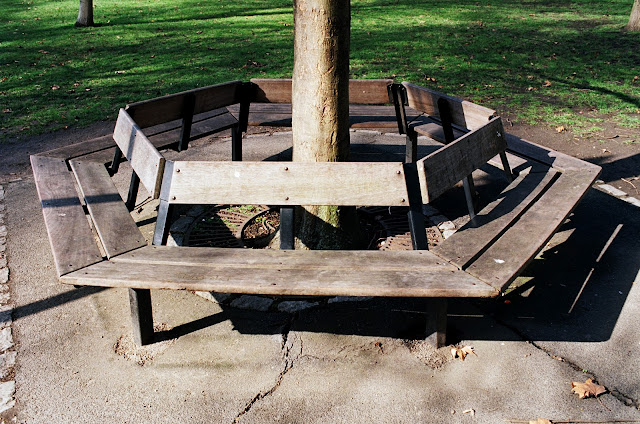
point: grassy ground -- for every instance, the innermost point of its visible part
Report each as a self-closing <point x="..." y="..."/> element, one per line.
<point x="559" y="63"/>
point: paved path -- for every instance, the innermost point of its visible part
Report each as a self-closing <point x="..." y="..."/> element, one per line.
<point x="575" y="317"/>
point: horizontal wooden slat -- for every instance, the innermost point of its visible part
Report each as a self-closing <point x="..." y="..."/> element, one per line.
<point x="297" y="272"/>
<point x="443" y="168"/>
<point x="117" y="230"/>
<point x="463" y="113"/>
<point x="369" y="92"/>
<point x="547" y="156"/>
<point x="143" y="157"/>
<point x="271" y="90"/>
<point x="495" y="219"/>
<point x="162" y="109"/>
<point x="72" y="242"/>
<point x="286" y="183"/>
<point x="510" y="254"/>
<point x="80" y="149"/>
<point x="360" y="116"/>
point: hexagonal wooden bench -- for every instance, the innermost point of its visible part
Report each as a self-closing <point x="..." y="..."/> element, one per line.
<point x="480" y="260"/>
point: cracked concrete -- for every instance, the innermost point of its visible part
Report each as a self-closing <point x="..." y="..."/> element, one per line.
<point x="341" y="361"/>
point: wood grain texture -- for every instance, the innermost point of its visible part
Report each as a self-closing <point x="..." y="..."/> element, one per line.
<point x="117" y="230"/>
<point x="80" y="149"/>
<point x="443" y="168"/>
<point x="510" y="254"/>
<point x="292" y="272"/>
<point x="168" y="108"/>
<point x="368" y="92"/>
<point x="142" y="155"/>
<point x="463" y="113"/>
<point x="286" y="183"/>
<point x="547" y="156"/>
<point x="360" y="116"/>
<point x="72" y="242"/>
<point x="494" y="220"/>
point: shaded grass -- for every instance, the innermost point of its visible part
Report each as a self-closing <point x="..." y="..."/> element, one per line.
<point x="536" y="60"/>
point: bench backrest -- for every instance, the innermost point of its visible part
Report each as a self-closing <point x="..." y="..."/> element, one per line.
<point x="285" y="183"/>
<point x="143" y="157"/>
<point x="445" y="167"/>
<point x="168" y="108"/>
<point x="364" y="92"/>
<point x="463" y="113"/>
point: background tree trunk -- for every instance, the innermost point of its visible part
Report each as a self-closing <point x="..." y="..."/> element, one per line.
<point x="85" y="14"/>
<point x="634" y="19"/>
<point x="321" y="112"/>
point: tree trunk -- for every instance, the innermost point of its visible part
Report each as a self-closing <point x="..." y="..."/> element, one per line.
<point x="634" y="19"/>
<point x="85" y="14"/>
<point x="320" y="119"/>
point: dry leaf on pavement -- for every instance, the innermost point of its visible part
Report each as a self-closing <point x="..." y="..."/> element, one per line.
<point x="587" y="389"/>
<point x="462" y="352"/>
<point x="540" y="421"/>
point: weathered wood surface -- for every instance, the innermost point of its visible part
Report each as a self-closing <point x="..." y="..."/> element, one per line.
<point x="80" y="149"/>
<point x="168" y="108"/>
<point x="115" y="227"/>
<point x="72" y="242"/>
<point x="494" y="220"/>
<point x="547" y="156"/>
<point x="368" y="92"/>
<point x="434" y="131"/>
<point x="286" y="183"/>
<point x="442" y="169"/>
<point x="501" y="263"/>
<point x="285" y="272"/>
<point x="142" y="155"/>
<point x="360" y="116"/>
<point x="463" y="113"/>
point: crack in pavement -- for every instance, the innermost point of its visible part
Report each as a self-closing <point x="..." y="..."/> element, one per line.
<point x="287" y="347"/>
<point x="626" y="399"/>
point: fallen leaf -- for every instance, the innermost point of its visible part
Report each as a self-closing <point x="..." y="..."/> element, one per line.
<point x="540" y="421"/>
<point x="547" y="83"/>
<point x="7" y="110"/>
<point x="55" y="87"/>
<point x="470" y="411"/>
<point x="587" y="389"/>
<point x="560" y="129"/>
<point x="462" y="352"/>
<point x="531" y="89"/>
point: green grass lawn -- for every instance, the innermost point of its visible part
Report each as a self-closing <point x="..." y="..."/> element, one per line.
<point x="541" y="61"/>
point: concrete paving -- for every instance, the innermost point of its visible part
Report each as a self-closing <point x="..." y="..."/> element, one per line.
<point x="342" y="362"/>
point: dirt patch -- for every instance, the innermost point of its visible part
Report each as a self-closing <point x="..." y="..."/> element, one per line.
<point x="427" y="354"/>
<point x="126" y="347"/>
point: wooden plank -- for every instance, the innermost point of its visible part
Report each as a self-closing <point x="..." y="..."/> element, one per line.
<point x="271" y="90"/>
<point x="510" y="254"/>
<point x="547" y="156"/>
<point x="463" y="113"/>
<point x="168" y="108"/>
<point x="81" y="149"/>
<point x="434" y="131"/>
<point x="369" y="91"/>
<point x="285" y="272"/>
<point x="143" y="156"/>
<point x="495" y="219"/>
<point x="361" y="116"/>
<point x="286" y="183"/>
<point x="72" y="242"/>
<point x="443" y="168"/>
<point x="118" y="232"/>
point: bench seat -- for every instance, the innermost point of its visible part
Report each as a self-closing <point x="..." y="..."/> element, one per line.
<point x="284" y="272"/>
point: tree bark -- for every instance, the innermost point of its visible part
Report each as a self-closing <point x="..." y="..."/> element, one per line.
<point x="634" y="18"/>
<point x="85" y="14"/>
<point x="320" y="119"/>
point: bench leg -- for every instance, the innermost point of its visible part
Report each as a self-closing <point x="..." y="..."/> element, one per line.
<point x="287" y="228"/>
<point x="436" y="321"/>
<point x="411" y="152"/>
<point x="470" y="195"/>
<point x="236" y="143"/>
<point x="165" y="210"/>
<point x="141" y="316"/>
<point x="134" y="187"/>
